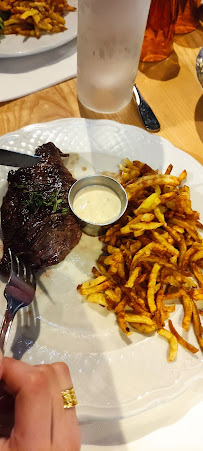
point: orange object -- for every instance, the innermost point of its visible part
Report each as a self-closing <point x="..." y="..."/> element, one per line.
<point x="160" y="30"/>
<point x="188" y="16"/>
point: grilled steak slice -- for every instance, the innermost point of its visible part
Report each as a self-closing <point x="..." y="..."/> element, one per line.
<point x="36" y="221"/>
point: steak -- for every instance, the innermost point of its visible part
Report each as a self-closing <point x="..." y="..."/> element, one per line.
<point x="37" y="224"/>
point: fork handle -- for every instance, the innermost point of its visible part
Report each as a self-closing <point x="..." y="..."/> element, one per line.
<point x="5" y="327"/>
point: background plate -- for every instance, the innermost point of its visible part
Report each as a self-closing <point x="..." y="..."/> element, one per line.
<point x="13" y="46"/>
<point x="114" y="376"/>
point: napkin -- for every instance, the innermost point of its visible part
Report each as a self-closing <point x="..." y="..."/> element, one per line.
<point x="24" y="75"/>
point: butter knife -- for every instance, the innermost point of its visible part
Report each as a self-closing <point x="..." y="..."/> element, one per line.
<point x="16" y="159"/>
<point x="148" y="117"/>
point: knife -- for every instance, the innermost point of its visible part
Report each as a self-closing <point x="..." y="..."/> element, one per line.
<point x="148" y="117"/>
<point x="16" y="159"/>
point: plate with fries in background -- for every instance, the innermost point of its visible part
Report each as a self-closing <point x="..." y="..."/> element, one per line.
<point x="124" y="311"/>
<point x="29" y="27"/>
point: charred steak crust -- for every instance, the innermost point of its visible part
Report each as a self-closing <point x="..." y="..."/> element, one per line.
<point x="36" y="221"/>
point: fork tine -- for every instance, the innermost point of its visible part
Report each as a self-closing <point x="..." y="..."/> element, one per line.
<point x="19" y="268"/>
<point x="15" y="268"/>
<point x="18" y="265"/>
<point x="22" y="268"/>
<point x="29" y="276"/>
<point x="11" y="260"/>
<point x="32" y="279"/>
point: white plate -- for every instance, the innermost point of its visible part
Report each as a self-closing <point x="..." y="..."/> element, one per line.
<point x="13" y="46"/>
<point x="114" y="376"/>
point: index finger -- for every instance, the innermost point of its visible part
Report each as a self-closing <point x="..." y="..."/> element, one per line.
<point x="14" y="374"/>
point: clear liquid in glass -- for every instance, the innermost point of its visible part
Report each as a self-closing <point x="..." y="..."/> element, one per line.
<point x="110" y="35"/>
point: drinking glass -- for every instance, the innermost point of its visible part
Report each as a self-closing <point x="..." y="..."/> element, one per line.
<point x="110" y="35"/>
<point x="188" y="16"/>
<point x="160" y="30"/>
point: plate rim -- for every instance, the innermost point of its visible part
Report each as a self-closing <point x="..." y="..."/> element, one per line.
<point x="103" y="122"/>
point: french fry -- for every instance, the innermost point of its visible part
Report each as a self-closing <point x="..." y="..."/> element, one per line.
<point x="182" y="251"/>
<point x="158" y="211"/>
<point x="175" y="295"/>
<point x="169" y="308"/>
<point x="187" y="227"/>
<point x="197" y="325"/>
<point x="141" y="217"/>
<point x="198" y="294"/>
<point x="151" y="287"/>
<point x="192" y="250"/>
<point x="123" y="324"/>
<point x="120" y="307"/>
<point x="148" y="204"/>
<point x="169" y="169"/>
<point x="144" y="328"/>
<point x="93" y="283"/>
<point x="97" y="298"/>
<point x="140" y="319"/>
<point x="181" y="340"/>
<point x="183" y="175"/>
<point x="146" y="226"/>
<point x="172" y="342"/>
<point x="160" y="308"/>
<point x="197" y="256"/>
<point x="171" y="249"/>
<point x="187" y="305"/>
<point x="96" y="289"/>
<point x="198" y="274"/>
<point x="114" y="295"/>
<point x="150" y="180"/>
<point x="134" y="275"/>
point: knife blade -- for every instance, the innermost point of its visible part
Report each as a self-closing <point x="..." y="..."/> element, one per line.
<point x="16" y="159"/>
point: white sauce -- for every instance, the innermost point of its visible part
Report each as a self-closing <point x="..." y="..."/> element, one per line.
<point x="97" y="204"/>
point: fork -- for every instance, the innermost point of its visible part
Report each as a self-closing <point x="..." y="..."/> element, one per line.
<point x="19" y="292"/>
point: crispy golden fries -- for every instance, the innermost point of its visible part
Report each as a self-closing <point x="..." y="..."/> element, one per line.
<point x="33" y="18"/>
<point x="154" y="254"/>
<point x="181" y="340"/>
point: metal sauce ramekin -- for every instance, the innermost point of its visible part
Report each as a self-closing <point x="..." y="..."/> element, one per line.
<point x="89" y="227"/>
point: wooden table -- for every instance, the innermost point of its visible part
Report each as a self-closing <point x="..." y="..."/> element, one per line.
<point x="170" y="87"/>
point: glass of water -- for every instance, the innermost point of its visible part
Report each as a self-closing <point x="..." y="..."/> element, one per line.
<point x="110" y="35"/>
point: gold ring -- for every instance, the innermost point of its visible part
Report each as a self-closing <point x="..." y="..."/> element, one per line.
<point x="69" y="398"/>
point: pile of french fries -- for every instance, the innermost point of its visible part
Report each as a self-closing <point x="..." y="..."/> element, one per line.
<point x="153" y="255"/>
<point x="32" y="18"/>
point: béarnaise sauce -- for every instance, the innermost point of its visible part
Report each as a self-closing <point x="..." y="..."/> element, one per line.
<point x="97" y="204"/>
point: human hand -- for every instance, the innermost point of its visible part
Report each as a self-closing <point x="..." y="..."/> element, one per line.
<point x="40" y="421"/>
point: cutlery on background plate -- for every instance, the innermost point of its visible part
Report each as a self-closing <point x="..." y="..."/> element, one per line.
<point x="19" y="292"/>
<point x="148" y="117"/>
<point x="16" y="159"/>
<point x="199" y="66"/>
